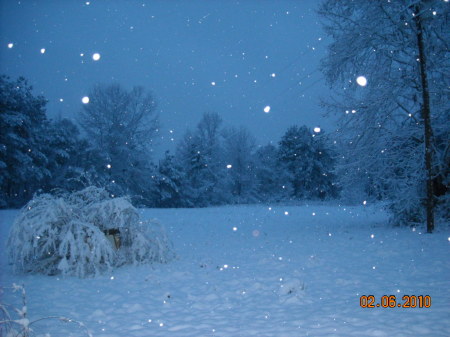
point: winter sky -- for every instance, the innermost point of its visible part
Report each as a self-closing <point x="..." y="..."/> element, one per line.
<point x="234" y="57"/>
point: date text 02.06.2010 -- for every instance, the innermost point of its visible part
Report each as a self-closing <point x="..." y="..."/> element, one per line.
<point x="390" y="301"/>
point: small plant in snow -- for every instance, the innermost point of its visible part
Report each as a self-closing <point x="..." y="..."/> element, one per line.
<point x="84" y="233"/>
<point x="19" y="325"/>
<point x="292" y="291"/>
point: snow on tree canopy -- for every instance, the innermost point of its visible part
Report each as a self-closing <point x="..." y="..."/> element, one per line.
<point x="83" y="234"/>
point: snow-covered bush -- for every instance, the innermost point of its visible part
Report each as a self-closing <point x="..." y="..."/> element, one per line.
<point x="84" y="233"/>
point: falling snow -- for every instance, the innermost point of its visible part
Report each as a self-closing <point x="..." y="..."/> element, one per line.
<point x="245" y="73"/>
<point x="290" y="269"/>
<point x="361" y="80"/>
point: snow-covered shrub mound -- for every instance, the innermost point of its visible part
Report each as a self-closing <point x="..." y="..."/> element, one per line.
<point x="82" y="234"/>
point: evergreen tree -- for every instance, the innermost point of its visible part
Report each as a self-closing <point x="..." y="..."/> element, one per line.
<point x="23" y="164"/>
<point x="239" y="148"/>
<point x="323" y="177"/>
<point x="170" y="181"/>
<point x="200" y="156"/>
<point x="272" y="180"/>
<point x="295" y="153"/>
<point x="191" y="161"/>
<point x="308" y="163"/>
<point x="66" y="153"/>
<point x="211" y="157"/>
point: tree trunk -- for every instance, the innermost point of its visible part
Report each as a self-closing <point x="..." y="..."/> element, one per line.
<point x="426" y="112"/>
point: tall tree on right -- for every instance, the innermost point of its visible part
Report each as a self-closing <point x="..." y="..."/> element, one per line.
<point x="389" y="65"/>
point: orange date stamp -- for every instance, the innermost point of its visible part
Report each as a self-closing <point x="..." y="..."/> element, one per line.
<point x="391" y="301"/>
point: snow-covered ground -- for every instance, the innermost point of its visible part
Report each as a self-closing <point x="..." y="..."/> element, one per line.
<point x="256" y="271"/>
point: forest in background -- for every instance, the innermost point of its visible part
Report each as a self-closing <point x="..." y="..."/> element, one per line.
<point x="111" y="146"/>
<point x="388" y="65"/>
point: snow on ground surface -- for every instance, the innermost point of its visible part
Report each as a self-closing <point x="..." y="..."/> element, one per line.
<point x="257" y="271"/>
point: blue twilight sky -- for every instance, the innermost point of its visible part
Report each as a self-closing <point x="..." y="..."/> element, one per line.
<point x="232" y="57"/>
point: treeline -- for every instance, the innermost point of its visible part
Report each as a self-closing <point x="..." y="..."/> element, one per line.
<point x="218" y="165"/>
<point x="111" y="146"/>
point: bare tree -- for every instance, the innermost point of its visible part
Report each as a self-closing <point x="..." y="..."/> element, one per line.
<point x="122" y="125"/>
<point x="386" y="125"/>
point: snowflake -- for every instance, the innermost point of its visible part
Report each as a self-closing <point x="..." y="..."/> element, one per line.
<point x="362" y="81"/>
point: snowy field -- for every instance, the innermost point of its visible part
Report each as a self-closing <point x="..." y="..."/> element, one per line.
<point x="256" y="271"/>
